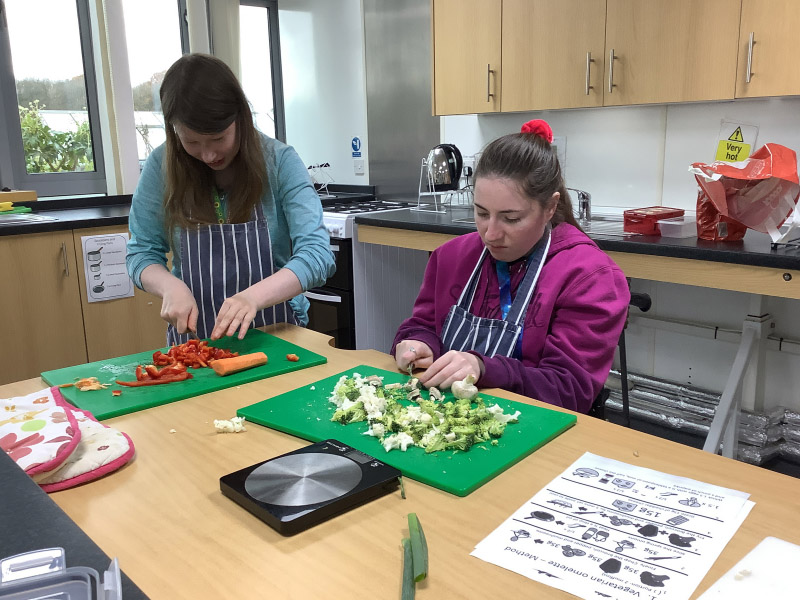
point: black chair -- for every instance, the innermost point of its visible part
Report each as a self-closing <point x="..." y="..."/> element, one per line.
<point x="643" y="302"/>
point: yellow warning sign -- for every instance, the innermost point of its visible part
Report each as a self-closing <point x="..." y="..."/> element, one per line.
<point x="737" y="136"/>
<point x="732" y="151"/>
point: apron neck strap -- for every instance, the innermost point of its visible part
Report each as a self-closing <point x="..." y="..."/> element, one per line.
<point x="534" y="267"/>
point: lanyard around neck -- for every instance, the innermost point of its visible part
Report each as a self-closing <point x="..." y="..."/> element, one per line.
<point x="504" y="277"/>
<point x="218" y="207"/>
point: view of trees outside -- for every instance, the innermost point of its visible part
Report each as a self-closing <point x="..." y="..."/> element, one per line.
<point x="51" y="91"/>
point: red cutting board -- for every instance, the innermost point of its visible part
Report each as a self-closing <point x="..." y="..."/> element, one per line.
<point x="103" y="405"/>
<point x="306" y="413"/>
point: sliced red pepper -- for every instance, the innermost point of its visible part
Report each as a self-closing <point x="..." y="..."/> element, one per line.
<point x="152" y="371"/>
<point x="139" y="373"/>
<point x="165" y="379"/>
<point x="116" y="392"/>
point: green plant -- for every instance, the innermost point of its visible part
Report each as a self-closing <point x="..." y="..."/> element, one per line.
<point x="49" y="151"/>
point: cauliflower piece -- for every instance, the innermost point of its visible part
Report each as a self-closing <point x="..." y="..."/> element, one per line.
<point x="398" y="440"/>
<point x="234" y="425"/>
<point x="499" y="415"/>
<point x="376" y="430"/>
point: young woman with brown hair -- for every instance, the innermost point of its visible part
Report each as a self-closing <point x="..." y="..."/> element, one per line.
<point x="528" y="303"/>
<point x="236" y="208"/>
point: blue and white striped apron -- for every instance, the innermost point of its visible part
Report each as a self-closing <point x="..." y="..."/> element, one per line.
<point x="220" y="260"/>
<point x="464" y="331"/>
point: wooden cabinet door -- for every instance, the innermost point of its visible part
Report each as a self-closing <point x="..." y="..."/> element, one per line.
<point x="40" y="305"/>
<point x="466" y="56"/>
<point x="775" y="54"/>
<point x="121" y="326"/>
<point x="547" y="45"/>
<point x="671" y="51"/>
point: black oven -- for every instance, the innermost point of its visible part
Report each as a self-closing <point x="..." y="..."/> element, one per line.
<point x="332" y="310"/>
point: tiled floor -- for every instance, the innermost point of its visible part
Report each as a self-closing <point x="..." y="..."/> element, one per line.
<point x="777" y="464"/>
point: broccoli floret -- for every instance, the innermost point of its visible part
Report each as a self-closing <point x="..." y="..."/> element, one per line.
<point x="436" y="444"/>
<point x="462" y="443"/>
<point x="352" y="414"/>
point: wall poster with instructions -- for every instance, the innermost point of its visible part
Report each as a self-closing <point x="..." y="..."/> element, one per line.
<point x="104" y="264"/>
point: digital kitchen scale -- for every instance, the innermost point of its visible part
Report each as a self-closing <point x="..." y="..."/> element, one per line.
<point x="295" y="491"/>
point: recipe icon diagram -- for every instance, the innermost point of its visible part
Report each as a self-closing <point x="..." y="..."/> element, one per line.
<point x="104" y="267"/>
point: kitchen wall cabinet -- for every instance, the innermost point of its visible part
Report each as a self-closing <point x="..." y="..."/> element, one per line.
<point x="677" y="51"/>
<point x="640" y="52"/>
<point x="122" y="326"/>
<point x="466" y="56"/>
<point x="40" y="305"/>
<point x="47" y="321"/>
<point x="553" y="54"/>
<point x="768" y="65"/>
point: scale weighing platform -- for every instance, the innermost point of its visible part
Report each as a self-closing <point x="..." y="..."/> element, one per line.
<point x="297" y="490"/>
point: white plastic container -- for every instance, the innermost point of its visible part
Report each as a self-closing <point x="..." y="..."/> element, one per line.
<point x="44" y="574"/>
<point x="678" y="227"/>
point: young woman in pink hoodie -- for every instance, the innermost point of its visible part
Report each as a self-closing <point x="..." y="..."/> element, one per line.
<point x="528" y="303"/>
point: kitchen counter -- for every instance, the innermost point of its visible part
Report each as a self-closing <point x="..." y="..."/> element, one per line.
<point x="750" y="265"/>
<point x="71" y="214"/>
<point x="176" y="535"/>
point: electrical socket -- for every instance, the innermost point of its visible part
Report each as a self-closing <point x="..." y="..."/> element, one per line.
<point x="358" y="166"/>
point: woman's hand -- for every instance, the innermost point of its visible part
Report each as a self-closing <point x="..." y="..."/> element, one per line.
<point x="237" y="312"/>
<point x="450" y="367"/>
<point x="412" y="352"/>
<point x="178" y="306"/>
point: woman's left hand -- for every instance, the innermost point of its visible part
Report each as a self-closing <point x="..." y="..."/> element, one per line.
<point x="237" y="312"/>
<point x="450" y="367"/>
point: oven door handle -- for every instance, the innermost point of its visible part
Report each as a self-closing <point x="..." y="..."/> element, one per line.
<point x="332" y="298"/>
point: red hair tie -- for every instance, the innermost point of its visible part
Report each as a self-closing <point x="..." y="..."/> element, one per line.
<point x="540" y="128"/>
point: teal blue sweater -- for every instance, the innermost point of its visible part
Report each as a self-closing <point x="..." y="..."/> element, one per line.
<point x="291" y="206"/>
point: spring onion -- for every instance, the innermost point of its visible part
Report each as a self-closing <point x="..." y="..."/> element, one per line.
<point x="409" y="587"/>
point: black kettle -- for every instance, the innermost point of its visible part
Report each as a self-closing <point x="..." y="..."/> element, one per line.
<point x="444" y="167"/>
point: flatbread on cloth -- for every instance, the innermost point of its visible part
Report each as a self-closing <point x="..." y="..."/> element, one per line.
<point x="38" y="431"/>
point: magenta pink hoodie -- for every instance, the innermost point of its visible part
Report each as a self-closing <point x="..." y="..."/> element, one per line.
<point x="571" y="328"/>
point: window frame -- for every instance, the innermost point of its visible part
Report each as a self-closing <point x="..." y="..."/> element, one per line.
<point x="276" y="70"/>
<point x="11" y="148"/>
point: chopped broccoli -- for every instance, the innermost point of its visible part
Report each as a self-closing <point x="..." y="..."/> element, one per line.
<point x="429" y="422"/>
<point x="352" y="414"/>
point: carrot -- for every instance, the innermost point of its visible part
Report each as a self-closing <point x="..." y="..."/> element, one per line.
<point x="226" y="366"/>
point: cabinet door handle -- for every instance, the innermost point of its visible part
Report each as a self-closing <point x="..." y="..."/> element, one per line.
<point x="589" y="61"/>
<point x="489" y="93"/>
<point x="611" y="59"/>
<point x="64" y="257"/>
<point x="750" y="45"/>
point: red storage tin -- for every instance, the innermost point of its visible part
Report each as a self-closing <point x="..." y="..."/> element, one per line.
<point x="645" y="220"/>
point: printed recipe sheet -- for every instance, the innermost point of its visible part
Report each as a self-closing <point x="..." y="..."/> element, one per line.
<point x="607" y="529"/>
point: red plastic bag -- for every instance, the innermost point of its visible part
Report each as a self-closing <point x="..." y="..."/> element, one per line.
<point x="759" y="193"/>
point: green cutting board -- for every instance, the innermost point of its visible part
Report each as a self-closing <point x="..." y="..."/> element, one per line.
<point x="104" y="406"/>
<point x="306" y="413"/>
<point x="16" y="210"/>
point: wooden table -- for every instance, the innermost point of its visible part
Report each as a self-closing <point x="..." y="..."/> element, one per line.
<point x="177" y="536"/>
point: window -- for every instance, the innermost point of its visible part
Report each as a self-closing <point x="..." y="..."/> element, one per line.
<point x="155" y="32"/>
<point x="50" y="119"/>
<point x="51" y="140"/>
<point x="260" y="63"/>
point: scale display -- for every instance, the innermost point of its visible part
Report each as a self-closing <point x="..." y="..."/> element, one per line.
<point x="297" y="490"/>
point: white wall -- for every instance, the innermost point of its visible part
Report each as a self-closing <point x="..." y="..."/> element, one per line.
<point x="322" y="51"/>
<point x="639" y="156"/>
